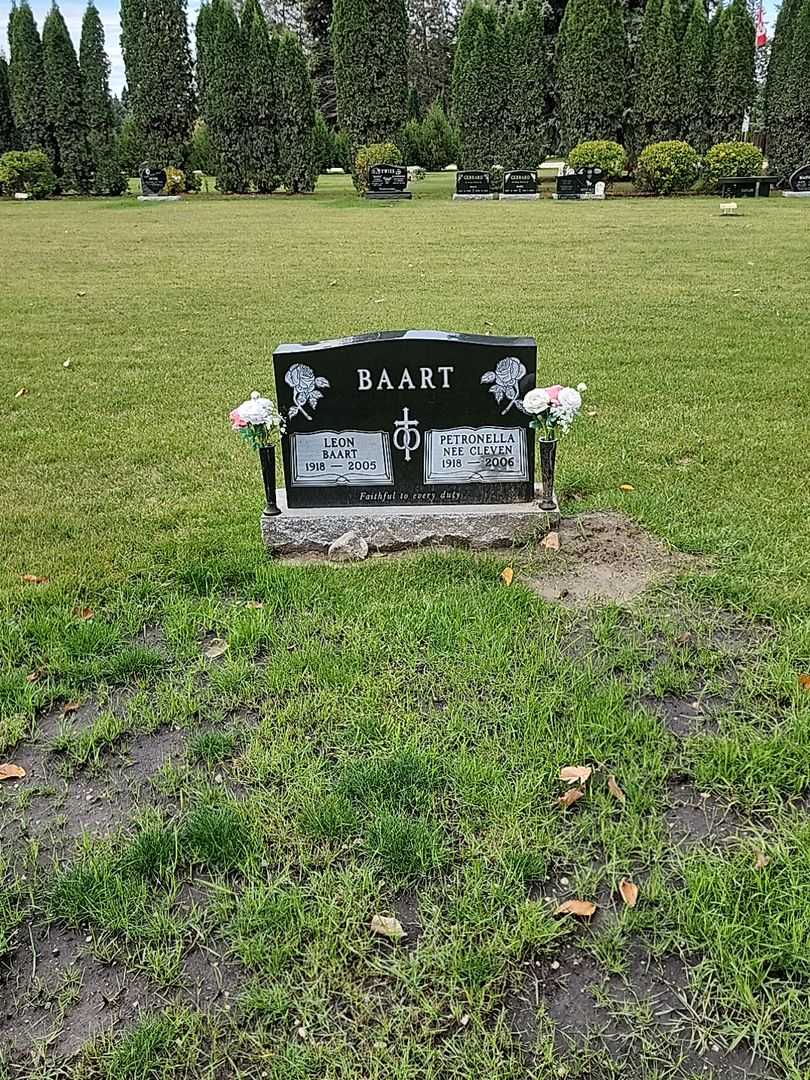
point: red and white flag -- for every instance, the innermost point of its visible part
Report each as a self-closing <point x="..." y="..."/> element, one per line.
<point x="762" y="33"/>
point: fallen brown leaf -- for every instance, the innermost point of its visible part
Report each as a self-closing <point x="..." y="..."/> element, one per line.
<point x="34" y="579"/>
<point x="22" y="391"/>
<point x="583" y="908"/>
<point x="11" y="772"/>
<point x="761" y="861"/>
<point x="85" y="613"/>
<point x="629" y="892"/>
<point x="507" y="575"/>
<point x="386" y="927"/>
<point x="626" y="487"/>
<point x="570" y="797"/>
<point x="804" y="682"/>
<point x="254" y="604"/>
<point x="552" y="541"/>
<point x="616" y="791"/>
<point x="215" y="648"/>
<point x="71" y="706"/>
<point x="572" y="773"/>
<point x="35" y="675"/>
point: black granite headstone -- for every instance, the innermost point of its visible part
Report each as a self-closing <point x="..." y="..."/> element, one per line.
<point x="406" y="418"/>
<point x="473" y="182"/>
<point x="520" y="182"/>
<point x="569" y="186"/>
<point x="153" y="181"/>
<point x="800" y="179"/>
<point x="590" y="175"/>
<point x="388" y="182"/>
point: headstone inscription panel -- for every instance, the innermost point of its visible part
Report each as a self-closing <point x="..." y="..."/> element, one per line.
<point x="799" y="181"/>
<point x="153" y="181"/>
<point x="407" y="418"/>
<point x="388" y="182"/>
<point x="520" y="182"/>
<point x="473" y="182"/>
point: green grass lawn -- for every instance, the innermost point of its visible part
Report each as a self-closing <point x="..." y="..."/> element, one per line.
<point x="198" y="849"/>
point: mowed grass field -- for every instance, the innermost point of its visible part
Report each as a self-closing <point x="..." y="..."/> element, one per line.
<point x="190" y="867"/>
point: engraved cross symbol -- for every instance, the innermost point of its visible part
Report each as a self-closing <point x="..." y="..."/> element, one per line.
<point x="406" y="435"/>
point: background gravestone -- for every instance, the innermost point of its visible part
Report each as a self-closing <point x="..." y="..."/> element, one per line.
<point x="473" y="184"/>
<point x="153" y="181"/>
<point x="520" y="184"/>
<point x="799" y="181"/>
<point x="407" y="418"/>
<point x="388" y="182"/>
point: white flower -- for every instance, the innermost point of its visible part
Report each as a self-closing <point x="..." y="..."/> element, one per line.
<point x="570" y="399"/>
<point x="258" y="410"/>
<point x="536" y="401"/>
<point x="581" y="387"/>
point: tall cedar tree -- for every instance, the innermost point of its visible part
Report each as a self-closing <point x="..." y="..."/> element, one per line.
<point x="154" y="41"/>
<point x="107" y="177"/>
<point x="369" y="42"/>
<point x="524" y="121"/>
<point x="784" y="137"/>
<point x="27" y="82"/>
<point x="647" y="87"/>
<point x="227" y="98"/>
<point x="717" y="25"/>
<point x="262" y="117"/>
<point x="479" y="86"/>
<point x="318" y="19"/>
<point x="63" y="97"/>
<point x="695" y="79"/>
<point x="432" y="26"/>
<point x="8" y="132"/>
<point x="734" y="77"/>
<point x="298" y="166"/>
<point x="203" y="32"/>
<point x="800" y="69"/>
<point x="591" y="71"/>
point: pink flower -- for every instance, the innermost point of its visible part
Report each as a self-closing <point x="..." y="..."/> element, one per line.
<point x="553" y="392"/>
<point x="236" y="420"/>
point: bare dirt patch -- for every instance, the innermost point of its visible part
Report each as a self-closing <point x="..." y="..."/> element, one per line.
<point x="603" y="557"/>
<point x="696" y="818"/>
<point x="632" y="1024"/>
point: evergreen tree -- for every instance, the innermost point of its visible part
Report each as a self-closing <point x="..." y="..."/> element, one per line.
<point x="591" y="71"/>
<point x="27" y="84"/>
<point x="438" y="138"/>
<point x="646" y="87"/>
<point x="262" y="120"/>
<point x="318" y="19"/>
<point x="432" y="26"/>
<point x="479" y="87"/>
<point x="298" y="166"/>
<point x="98" y="107"/>
<point x="800" y="72"/>
<point x="63" y="98"/>
<point x="694" y="79"/>
<point x="227" y="96"/>
<point x="734" y="77"/>
<point x="784" y="136"/>
<point x="414" y="107"/>
<point x="154" y="41"/>
<point x="717" y="25"/>
<point x="129" y="146"/>
<point x="8" y="132"/>
<point x="203" y="32"/>
<point x="369" y="45"/>
<point x="525" y="123"/>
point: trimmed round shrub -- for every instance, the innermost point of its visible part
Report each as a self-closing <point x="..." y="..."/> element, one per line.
<point x="667" y="167"/>
<point x="731" y="159"/>
<point x="27" y="170"/>
<point x="602" y="153"/>
<point x="383" y="153"/>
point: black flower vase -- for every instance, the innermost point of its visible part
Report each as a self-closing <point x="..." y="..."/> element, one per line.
<point x="267" y="457"/>
<point x="548" y="460"/>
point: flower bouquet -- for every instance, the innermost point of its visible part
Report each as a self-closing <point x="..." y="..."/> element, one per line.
<point x="260" y="424"/>
<point x="553" y="410"/>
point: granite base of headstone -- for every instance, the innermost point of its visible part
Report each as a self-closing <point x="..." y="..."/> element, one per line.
<point x="387" y="182"/>
<point x="406" y="438"/>
<point x="473" y="184"/>
<point x="521" y="185"/>
<point x="798" y="183"/>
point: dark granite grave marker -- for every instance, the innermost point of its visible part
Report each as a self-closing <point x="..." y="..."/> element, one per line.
<point x="473" y="183"/>
<point x="799" y="181"/>
<point x="388" y="182"/>
<point x="522" y="182"/>
<point x="407" y="418"/>
<point x="153" y="181"/>
<point x="569" y="186"/>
